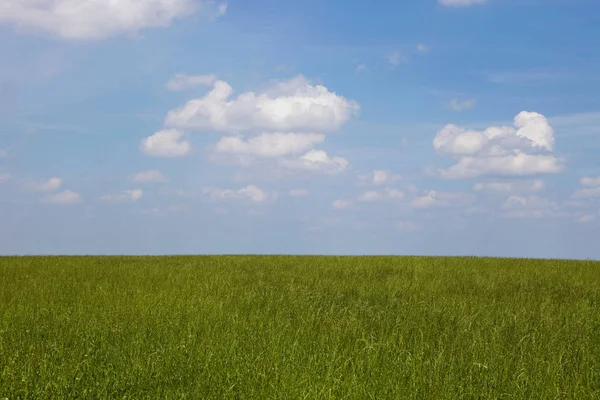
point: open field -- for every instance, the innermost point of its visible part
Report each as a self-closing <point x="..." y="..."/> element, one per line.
<point x="246" y="327"/>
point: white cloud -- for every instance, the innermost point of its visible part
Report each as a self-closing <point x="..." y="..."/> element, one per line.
<point x="379" y="177"/>
<point x="387" y="194"/>
<point x="283" y="148"/>
<point x="318" y="161"/>
<point x="421" y="48"/>
<point x="360" y="68"/>
<point x="590" y="188"/>
<point x="441" y="199"/>
<point x="48" y="186"/>
<point x="167" y="144"/>
<point x="508" y="187"/>
<point x="395" y="59"/>
<point x="250" y="193"/>
<point x="425" y="201"/>
<point x="66" y="197"/>
<point x="342" y="204"/>
<point x="3" y="153"/>
<point x="293" y="105"/>
<point x="394" y="194"/>
<point x="371" y="195"/>
<point x="527" y="150"/>
<point x="528" y="207"/>
<point x="298" y="192"/>
<point x="587" y="218"/>
<point x="519" y="164"/>
<point x="152" y="176"/>
<point x="183" y="81"/>
<point x="269" y="144"/>
<point x="462" y="105"/>
<point x="126" y="196"/>
<point x="100" y="19"/>
<point x="4" y="177"/>
<point x="460" y="3"/>
<point x="590" y="182"/>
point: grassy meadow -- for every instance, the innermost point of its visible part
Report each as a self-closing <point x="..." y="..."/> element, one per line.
<point x="289" y="327"/>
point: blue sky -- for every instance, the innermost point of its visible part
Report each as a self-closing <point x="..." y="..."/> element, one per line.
<point x="438" y="127"/>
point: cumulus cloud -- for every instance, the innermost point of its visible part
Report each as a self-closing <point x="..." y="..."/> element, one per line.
<point x="528" y="207"/>
<point x="66" y="197"/>
<point x="4" y="177"/>
<point x="126" y="196"/>
<point x="250" y="193"/>
<point x="288" y="106"/>
<point x="100" y="19"/>
<point x="286" y="151"/>
<point x="461" y="105"/>
<point x="590" y="188"/>
<point x="167" y="143"/>
<point x="318" y="161"/>
<point x="509" y="186"/>
<point x="48" y="186"/>
<point x="381" y="195"/>
<point x="460" y="3"/>
<point x="526" y="150"/>
<point x="183" y="81"/>
<point x="298" y="192"/>
<point x="269" y="144"/>
<point x="379" y="177"/>
<point x="152" y="176"/>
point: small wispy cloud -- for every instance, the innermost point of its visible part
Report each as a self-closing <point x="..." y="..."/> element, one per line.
<point x="396" y="58"/>
<point x="421" y="48"/>
<point x="383" y="195"/>
<point x="250" y="193"/>
<point x="66" y="197"/>
<point x="530" y="77"/>
<point x="298" y="192"/>
<point x="183" y="81"/>
<point x="378" y="177"/>
<point x="127" y="196"/>
<point x="461" y="105"/>
<point x="342" y="204"/>
<point x="48" y="186"/>
<point x="590" y="188"/>
<point x="152" y="176"/>
<point x="508" y="187"/>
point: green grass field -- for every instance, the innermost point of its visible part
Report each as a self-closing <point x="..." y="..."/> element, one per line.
<point x="276" y="327"/>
